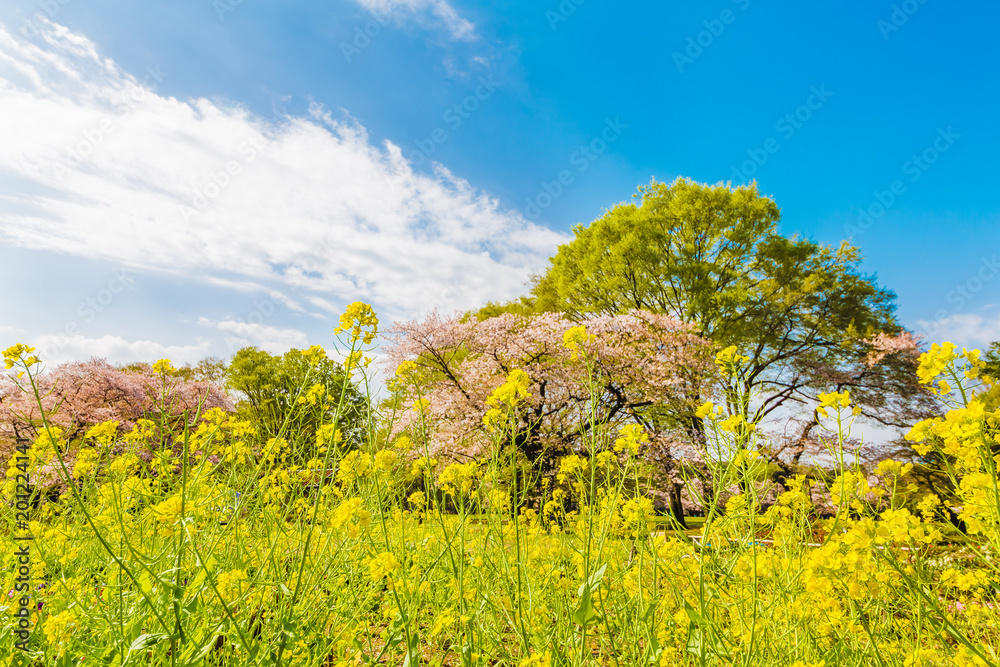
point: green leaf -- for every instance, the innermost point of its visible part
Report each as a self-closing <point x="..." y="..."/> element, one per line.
<point x="694" y="615"/>
<point x="654" y="650"/>
<point x="695" y="640"/>
<point x="144" y="642"/>
<point x="584" y="613"/>
<point x="144" y="583"/>
<point x="412" y="655"/>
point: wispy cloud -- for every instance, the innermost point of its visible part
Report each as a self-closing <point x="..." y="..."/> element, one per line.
<point x="115" y="349"/>
<point x="969" y="330"/>
<point x="430" y="13"/>
<point x="272" y="339"/>
<point x="97" y="164"/>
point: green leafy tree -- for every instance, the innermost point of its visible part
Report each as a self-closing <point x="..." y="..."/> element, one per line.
<point x="803" y="312"/>
<point x="992" y="360"/>
<point x="289" y="397"/>
<point x="209" y="369"/>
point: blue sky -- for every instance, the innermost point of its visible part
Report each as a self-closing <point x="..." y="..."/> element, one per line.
<point x="275" y="162"/>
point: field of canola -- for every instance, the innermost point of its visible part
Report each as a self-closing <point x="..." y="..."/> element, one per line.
<point x="206" y="546"/>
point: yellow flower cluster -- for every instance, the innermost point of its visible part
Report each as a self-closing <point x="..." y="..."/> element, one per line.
<point x="19" y="353"/>
<point x="385" y="460"/>
<point x="942" y="360"/>
<point x="631" y="438"/>
<point x="511" y="392"/>
<point x="314" y="355"/>
<point x="313" y="396"/>
<point x="328" y="434"/>
<point x="730" y="360"/>
<point x="422" y="464"/>
<point x="574" y="338"/>
<point x="104" y="433"/>
<point x="356" y="465"/>
<point x="459" y="477"/>
<point x="86" y="462"/>
<point x="351" y="513"/>
<point x="274" y="449"/>
<point x="835" y="401"/>
<point x="59" y="629"/>
<point x="707" y="410"/>
<point x="164" y="367"/>
<point x="357" y="318"/>
<point x="232" y="584"/>
<point x="381" y="566"/>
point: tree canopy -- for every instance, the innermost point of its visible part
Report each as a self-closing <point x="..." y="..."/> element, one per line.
<point x="636" y="365"/>
<point x="991" y="360"/>
<point x="711" y="255"/>
<point x="270" y="386"/>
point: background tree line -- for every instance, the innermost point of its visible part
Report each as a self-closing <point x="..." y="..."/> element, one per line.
<point x="663" y="282"/>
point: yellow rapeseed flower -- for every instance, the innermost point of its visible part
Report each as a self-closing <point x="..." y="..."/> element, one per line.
<point x="573" y="338"/>
<point x="86" y="461"/>
<point x="511" y="392"/>
<point x="381" y="566"/>
<point x="164" y="367"/>
<point x="19" y="353"/>
<point x="385" y="460"/>
<point x="357" y="317"/>
<point x="729" y="360"/>
<point x="631" y="437"/>
<point x="104" y="433"/>
<point x="314" y="355"/>
<point x="59" y="629"/>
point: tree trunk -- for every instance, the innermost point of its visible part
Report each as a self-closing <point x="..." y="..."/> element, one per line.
<point x="676" y="506"/>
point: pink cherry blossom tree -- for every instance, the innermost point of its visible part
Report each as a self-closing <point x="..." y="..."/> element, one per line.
<point x="78" y="395"/>
<point x="881" y="378"/>
<point x="640" y="367"/>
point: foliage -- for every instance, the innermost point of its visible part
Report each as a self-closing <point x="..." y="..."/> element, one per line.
<point x="991" y="360"/>
<point x="804" y="314"/>
<point x="78" y="396"/>
<point x="209" y="369"/>
<point x="627" y="369"/>
<point x="235" y="556"/>
<point x="294" y="392"/>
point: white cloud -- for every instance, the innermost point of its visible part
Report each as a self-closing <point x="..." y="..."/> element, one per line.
<point x="98" y="165"/>
<point x="55" y="349"/>
<point x="963" y="329"/>
<point x="271" y="339"/>
<point x="428" y="12"/>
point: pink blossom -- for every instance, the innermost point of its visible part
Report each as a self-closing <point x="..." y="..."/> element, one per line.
<point x="638" y="361"/>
